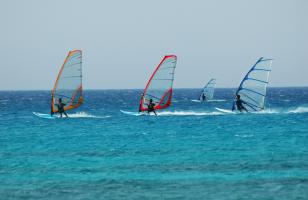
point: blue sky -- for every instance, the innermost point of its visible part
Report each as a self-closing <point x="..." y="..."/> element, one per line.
<point x="123" y="41"/>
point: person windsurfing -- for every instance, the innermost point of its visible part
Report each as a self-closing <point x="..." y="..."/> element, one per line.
<point x="151" y="106"/>
<point x="203" y="97"/>
<point x="60" y="106"/>
<point x="239" y="104"/>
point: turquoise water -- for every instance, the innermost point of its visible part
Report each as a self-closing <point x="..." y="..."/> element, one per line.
<point x="190" y="151"/>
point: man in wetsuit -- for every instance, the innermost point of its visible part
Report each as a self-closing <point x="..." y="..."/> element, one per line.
<point x="203" y="97"/>
<point x="151" y="106"/>
<point x="60" y="106"/>
<point x="239" y="104"/>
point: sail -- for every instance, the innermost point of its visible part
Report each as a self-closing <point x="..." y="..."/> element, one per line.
<point x="252" y="89"/>
<point x="68" y="85"/>
<point x="159" y="87"/>
<point x="208" y="90"/>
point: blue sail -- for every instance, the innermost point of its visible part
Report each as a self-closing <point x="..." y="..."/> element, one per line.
<point x="252" y="89"/>
<point x="208" y="91"/>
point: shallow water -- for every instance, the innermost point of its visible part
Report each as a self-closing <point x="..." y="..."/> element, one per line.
<point x="189" y="151"/>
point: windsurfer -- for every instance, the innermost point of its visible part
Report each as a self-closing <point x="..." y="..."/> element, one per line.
<point x="60" y="106"/>
<point x="203" y="97"/>
<point x="239" y="104"/>
<point x="151" y="106"/>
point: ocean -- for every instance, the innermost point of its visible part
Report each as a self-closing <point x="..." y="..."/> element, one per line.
<point x="188" y="151"/>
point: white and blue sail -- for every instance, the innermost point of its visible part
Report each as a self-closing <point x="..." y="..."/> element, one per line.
<point x="252" y="89"/>
<point x="208" y="91"/>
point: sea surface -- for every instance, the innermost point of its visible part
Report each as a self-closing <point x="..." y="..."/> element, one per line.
<point x="189" y="151"/>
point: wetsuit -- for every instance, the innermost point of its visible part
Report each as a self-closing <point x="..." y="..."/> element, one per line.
<point x="239" y="105"/>
<point x="203" y="97"/>
<point x="151" y="108"/>
<point x="61" y="109"/>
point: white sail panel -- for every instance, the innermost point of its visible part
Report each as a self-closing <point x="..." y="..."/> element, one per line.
<point x="208" y="90"/>
<point x="252" y="89"/>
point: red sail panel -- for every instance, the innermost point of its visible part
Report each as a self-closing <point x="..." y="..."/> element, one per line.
<point x="159" y="86"/>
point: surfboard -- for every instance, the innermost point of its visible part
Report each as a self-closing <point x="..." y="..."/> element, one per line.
<point x="132" y="113"/>
<point x="225" y="111"/>
<point x="44" y="115"/>
<point x="217" y="100"/>
<point x="196" y="101"/>
<point x="212" y="100"/>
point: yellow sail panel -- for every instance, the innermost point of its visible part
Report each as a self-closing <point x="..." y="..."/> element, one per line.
<point x="68" y="85"/>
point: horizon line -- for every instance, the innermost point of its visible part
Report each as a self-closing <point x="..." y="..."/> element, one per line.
<point x="180" y="88"/>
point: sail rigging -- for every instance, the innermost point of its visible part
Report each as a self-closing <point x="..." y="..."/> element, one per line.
<point x="208" y="91"/>
<point x="159" y="86"/>
<point x="252" y="89"/>
<point x="68" y="85"/>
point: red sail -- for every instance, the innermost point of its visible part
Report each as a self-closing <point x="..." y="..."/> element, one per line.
<point x="159" y="86"/>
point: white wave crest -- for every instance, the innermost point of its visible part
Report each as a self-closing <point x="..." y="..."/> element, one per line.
<point x="244" y="136"/>
<point x="267" y="111"/>
<point x="187" y="113"/>
<point x="299" y="110"/>
<point x="85" y="115"/>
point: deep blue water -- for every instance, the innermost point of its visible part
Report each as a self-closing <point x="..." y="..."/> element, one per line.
<point x="189" y="151"/>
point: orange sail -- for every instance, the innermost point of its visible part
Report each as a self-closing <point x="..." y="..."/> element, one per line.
<point x="68" y="85"/>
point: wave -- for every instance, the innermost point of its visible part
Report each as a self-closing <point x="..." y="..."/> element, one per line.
<point x="4" y="101"/>
<point x="86" y="115"/>
<point x="244" y="135"/>
<point x="299" y="110"/>
<point x="187" y="113"/>
<point x="268" y="111"/>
